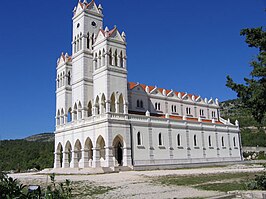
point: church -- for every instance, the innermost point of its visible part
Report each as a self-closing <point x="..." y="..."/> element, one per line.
<point x="104" y="121"/>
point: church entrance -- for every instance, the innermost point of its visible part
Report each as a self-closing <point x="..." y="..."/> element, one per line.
<point x="118" y="150"/>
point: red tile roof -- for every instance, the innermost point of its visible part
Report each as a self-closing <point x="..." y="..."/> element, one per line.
<point x="133" y="85"/>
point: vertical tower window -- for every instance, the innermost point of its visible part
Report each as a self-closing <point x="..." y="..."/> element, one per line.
<point x="222" y="141"/>
<point x="141" y="104"/>
<point x="234" y="141"/>
<point x="88" y="40"/>
<point x="195" y="140"/>
<point x="160" y="139"/>
<point x="138" y="104"/>
<point x="213" y="114"/>
<point x="210" y="141"/>
<point x="178" y="140"/>
<point x="139" y="138"/>
<point x="188" y="111"/>
<point x="110" y="58"/>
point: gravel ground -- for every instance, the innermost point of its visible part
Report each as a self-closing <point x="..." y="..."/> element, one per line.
<point x="136" y="184"/>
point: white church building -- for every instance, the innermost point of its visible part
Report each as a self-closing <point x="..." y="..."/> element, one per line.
<point x="102" y="120"/>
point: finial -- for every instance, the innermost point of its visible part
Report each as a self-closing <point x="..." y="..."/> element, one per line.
<point x="216" y="101"/>
<point x="106" y="29"/>
<point x="236" y="123"/>
<point x="164" y="92"/>
<point x="148" y="113"/>
<point x="147" y="89"/>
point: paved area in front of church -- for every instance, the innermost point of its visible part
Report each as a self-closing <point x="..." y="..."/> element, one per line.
<point x="137" y="184"/>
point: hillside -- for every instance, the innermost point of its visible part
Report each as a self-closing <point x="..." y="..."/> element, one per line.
<point x="250" y="135"/>
<point x="235" y="110"/>
<point x="32" y="152"/>
<point x="43" y="137"/>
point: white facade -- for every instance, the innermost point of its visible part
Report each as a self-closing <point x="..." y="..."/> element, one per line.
<point x="104" y="121"/>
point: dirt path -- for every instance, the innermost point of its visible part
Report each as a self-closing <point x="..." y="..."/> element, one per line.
<point x="136" y="184"/>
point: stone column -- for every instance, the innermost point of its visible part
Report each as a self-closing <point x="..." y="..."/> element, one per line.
<point x="65" y="159"/>
<point x="109" y="156"/>
<point x="117" y="107"/>
<point x="106" y="59"/>
<point x="127" y="161"/>
<point x="108" y="106"/>
<point x="118" y="60"/>
<point x="57" y="163"/>
<point x="96" y="158"/>
<point x="94" y="64"/>
<point x="125" y="108"/>
<point x="113" y="59"/>
<point x="124" y="62"/>
<point x="74" y="162"/>
<point x="84" y="161"/>
<point x="99" y="61"/>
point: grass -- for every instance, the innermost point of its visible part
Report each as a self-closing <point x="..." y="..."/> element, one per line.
<point x="88" y="190"/>
<point x="223" y="182"/>
<point x="223" y="187"/>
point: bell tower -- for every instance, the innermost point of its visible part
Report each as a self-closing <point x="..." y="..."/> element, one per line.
<point x="110" y="72"/>
<point x="87" y="21"/>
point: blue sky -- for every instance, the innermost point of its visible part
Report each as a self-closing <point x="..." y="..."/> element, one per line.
<point x="185" y="45"/>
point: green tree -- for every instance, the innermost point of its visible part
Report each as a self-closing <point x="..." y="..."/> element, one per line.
<point x="253" y="92"/>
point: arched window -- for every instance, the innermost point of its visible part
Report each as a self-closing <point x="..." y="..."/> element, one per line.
<point x="178" y="140"/>
<point x="201" y="112"/>
<point x="234" y="141"/>
<point x="69" y="116"/>
<point x="222" y="141"/>
<point x="78" y="43"/>
<point x="89" y="109"/>
<point x="80" y="40"/>
<point x="97" y="106"/>
<point x="75" y="45"/>
<point x="156" y="106"/>
<point x="88" y="40"/>
<point x="188" y="110"/>
<point x="195" y="140"/>
<point x="110" y="58"/>
<point x="159" y="106"/>
<point x="58" y="118"/>
<point x="116" y="58"/>
<point x="121" y="104"/>
<point x="213" y="114"/>
<point x="121" y="60"/>
<point x="112" y="105"/>
<point x="92" y="40"/>
<point x="210" y="141"/>
<point x="141" y="104"/>
<point x="160" y="139"/>
<point x="139" y="138"/>
<point x="138" y="104"/>
<point x="69" y="78"/>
